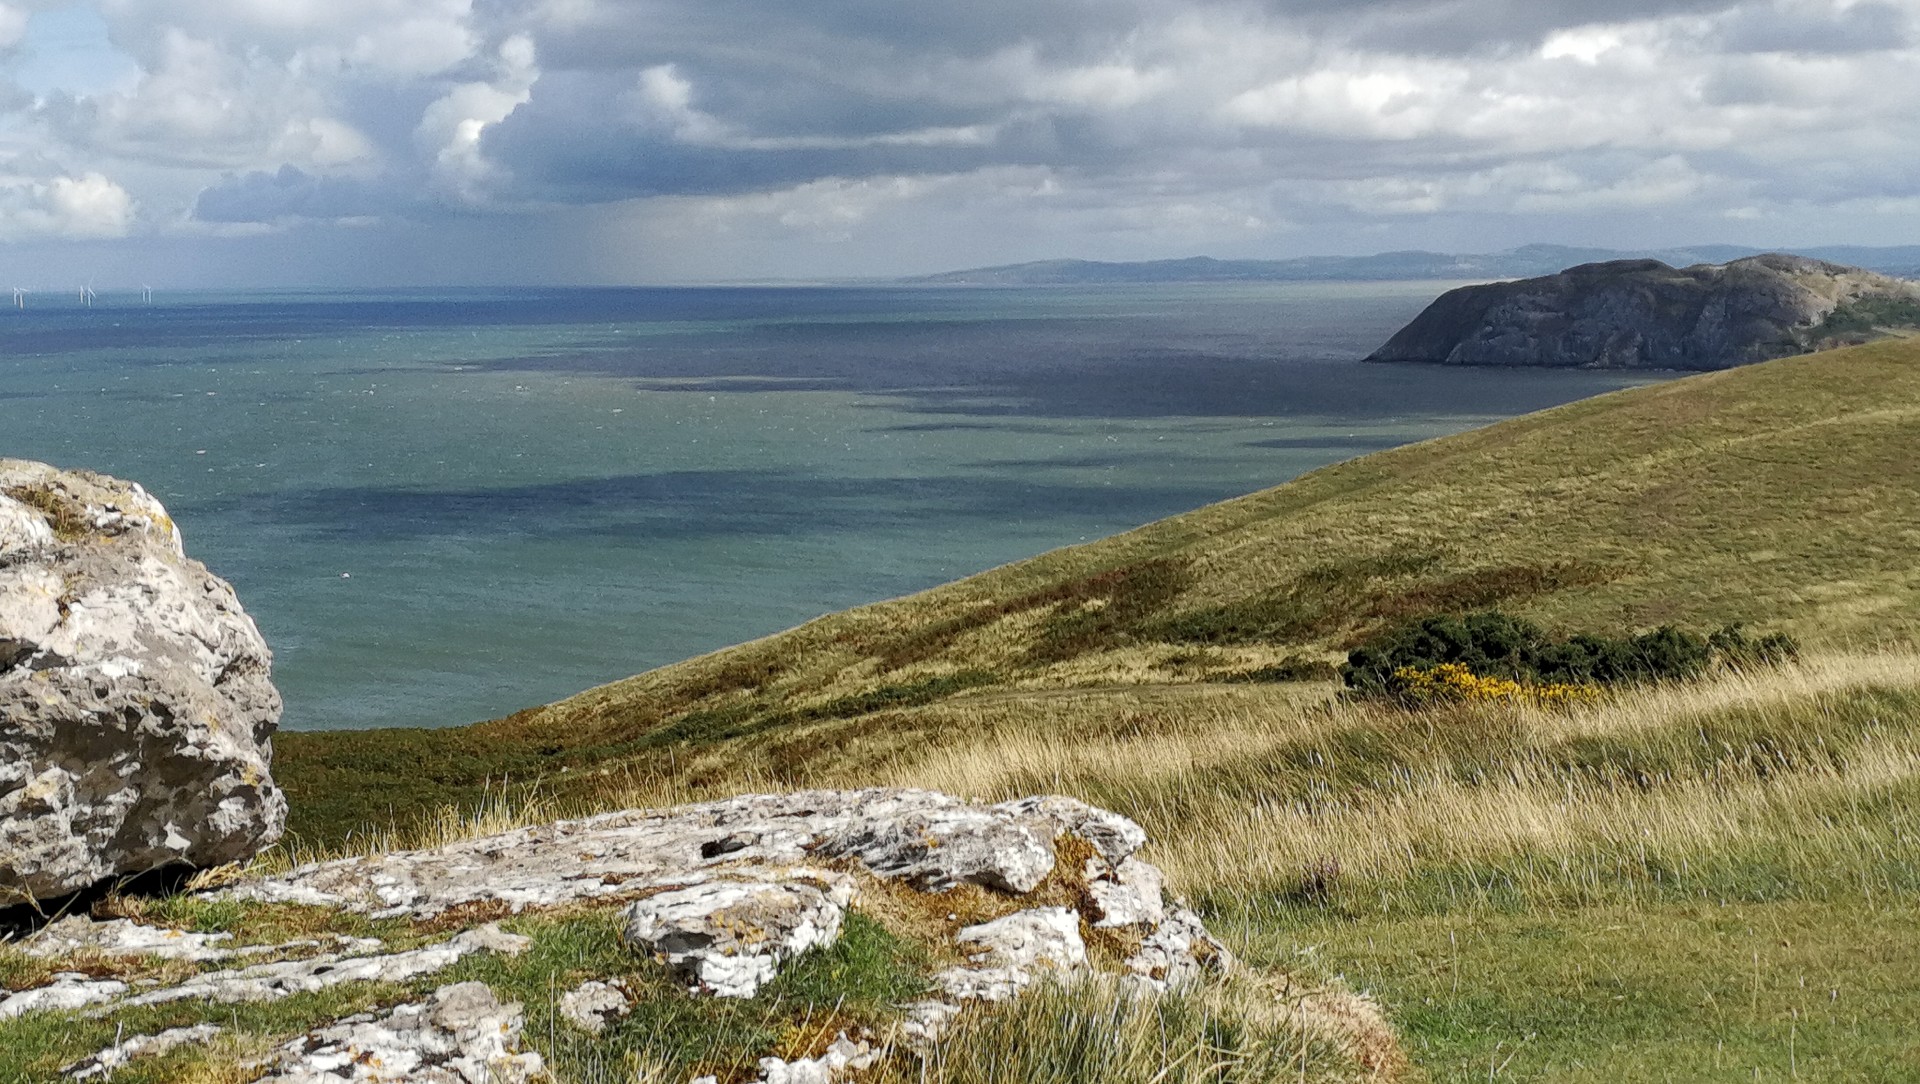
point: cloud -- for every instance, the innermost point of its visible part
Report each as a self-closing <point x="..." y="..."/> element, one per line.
<point x="1175" y="123"/>
<point x="34" y="204"/>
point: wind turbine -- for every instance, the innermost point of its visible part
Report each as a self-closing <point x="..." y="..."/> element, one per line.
<point x="19" y="298"/>
<point x="87" y="295"/>
<point x="146" y="295"/>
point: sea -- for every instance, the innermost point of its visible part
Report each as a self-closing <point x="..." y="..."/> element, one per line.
<point x="443" y="506"/>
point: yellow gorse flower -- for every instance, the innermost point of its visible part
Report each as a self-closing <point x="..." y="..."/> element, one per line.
<point x="1452" y="682"/>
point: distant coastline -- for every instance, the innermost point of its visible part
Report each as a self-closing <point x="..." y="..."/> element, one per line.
<point x="1524" y="262"/>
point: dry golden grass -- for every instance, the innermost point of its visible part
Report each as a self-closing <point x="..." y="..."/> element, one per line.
<point x="1248" y="790"/>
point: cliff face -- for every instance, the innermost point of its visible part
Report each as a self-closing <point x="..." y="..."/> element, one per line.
<point x="1643" y="314"/>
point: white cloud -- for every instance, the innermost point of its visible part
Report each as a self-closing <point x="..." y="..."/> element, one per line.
<point x="451" y="128"/>
<point x="87" y="206"/>
<point x="13" y="25"/>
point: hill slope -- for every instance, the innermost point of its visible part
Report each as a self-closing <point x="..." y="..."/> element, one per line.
<point x="1695" y="881"/>
<point x="1784" y="495"/>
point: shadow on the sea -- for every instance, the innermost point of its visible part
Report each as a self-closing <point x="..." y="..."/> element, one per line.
<point x="1058" y="369"/>
<point x="977" y="427"/>
<point x="681" y="505"/>
<point x="223" y="323"/>
<point x="1331" y="443"/>
<point x="1095" y="461"/>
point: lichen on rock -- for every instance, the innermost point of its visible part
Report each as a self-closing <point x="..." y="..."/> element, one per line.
<point x="136" y="705"/>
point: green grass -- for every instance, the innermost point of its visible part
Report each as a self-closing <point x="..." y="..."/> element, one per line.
<point x="1680" y="991"/>
<point x="860" y="981"/>
<point x="1099" y="1034"/>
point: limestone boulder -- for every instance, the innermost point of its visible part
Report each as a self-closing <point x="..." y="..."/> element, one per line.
<point x="136" y="705"/>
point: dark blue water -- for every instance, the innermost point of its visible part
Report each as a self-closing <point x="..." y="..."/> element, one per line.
<point x="444" y="507"/>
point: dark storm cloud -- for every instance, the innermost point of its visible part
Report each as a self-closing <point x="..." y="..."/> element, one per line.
<point x="1864" y="27"/>
<point x="1168" y="125"/>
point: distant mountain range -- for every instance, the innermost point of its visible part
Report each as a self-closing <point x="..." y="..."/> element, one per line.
<point x="1524" y="262"/>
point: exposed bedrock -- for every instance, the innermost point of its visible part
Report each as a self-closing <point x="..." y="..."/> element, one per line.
<point x="722" y="895"/>
<point x="136" y="707"/>
<point x="1642" y="314"/>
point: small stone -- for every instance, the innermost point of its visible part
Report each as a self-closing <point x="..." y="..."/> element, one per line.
<point x="729" y="938"/>
<point x="842" y="1058"/>
<point x="591" y="1006"/>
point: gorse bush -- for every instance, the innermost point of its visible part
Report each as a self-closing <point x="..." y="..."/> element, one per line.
<point x="1458" y="658"/>
<point x="1451" y="682"/>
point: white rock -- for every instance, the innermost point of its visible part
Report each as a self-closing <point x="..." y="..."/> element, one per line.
<point x="140" y="1046"/>
<point x="729" y="938"/>
<point x="270" y="982"/>
<point x="462" y="1035"/>
<point x="591" y="1006"/>
<point x="136" y="711"/>
<point x="843" y="1057"/>
<point x="68" y="990"/>
<point x="937" y="848"/>
<point x="1128" y="896"/>
<point x="930" y="840"/>
<point x="120" y="937"/>
<point x="1009" y="954"/>
<point x="1115" y="837"/>
<point x="1178" y="951"/>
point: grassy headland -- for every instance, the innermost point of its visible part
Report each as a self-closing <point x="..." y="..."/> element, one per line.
<point x="1701" y="880"/>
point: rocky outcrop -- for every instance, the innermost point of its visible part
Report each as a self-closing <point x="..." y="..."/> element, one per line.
<point x="721" y="897"/>
<point x="136" y="709"/>
<point x="1643" y="314"/>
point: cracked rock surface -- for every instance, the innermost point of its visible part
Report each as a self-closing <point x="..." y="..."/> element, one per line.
<point x="729" y="938"/>
<point x="462" y="1035"/>
<point x="932" y="841"/>
<point x="723" y="894"/>
<point x="136" y="709"/>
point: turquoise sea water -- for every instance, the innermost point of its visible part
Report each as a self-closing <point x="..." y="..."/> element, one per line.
<point x="444" y="507"/>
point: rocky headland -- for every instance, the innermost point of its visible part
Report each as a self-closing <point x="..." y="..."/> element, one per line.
<point x="1643" y="314"/>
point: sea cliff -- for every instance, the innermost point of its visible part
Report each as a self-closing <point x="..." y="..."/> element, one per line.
<point x="1643" y="314"/>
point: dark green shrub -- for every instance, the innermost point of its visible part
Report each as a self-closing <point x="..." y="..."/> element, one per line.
<point x="1493" y="644"/>
<point x="1733" y="645"/>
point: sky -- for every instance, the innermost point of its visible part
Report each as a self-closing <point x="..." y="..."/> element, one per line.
<point x="426" y="142"/>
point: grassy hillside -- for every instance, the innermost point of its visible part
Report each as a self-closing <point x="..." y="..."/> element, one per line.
<point x="1783" y="495"/>
<point x="1708" y="880"/>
